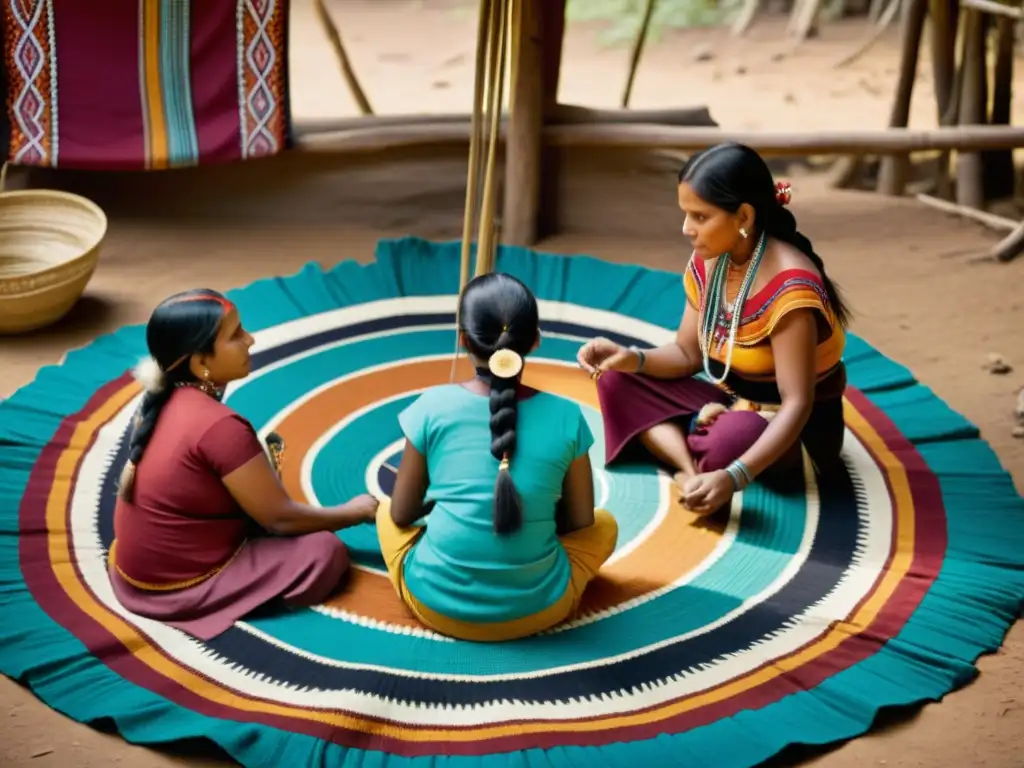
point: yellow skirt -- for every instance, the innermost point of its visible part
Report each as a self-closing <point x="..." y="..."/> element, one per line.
<point x="587" y="549"/>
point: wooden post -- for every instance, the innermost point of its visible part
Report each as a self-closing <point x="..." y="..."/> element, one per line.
<point x="970" y="184"/>
<point x="945" y="15"/>
<point x="525" y="130"/>
<point x="522" y="151"/>
<point x="804" y="18"/>
<point x="999" y="169"/>
<point x="746" y="17"/>
<point x="552" y="30"/>
<point x="892" y="176"/>
<point x="553" y="38"/>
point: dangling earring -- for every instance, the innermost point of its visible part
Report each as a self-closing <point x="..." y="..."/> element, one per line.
<point x="743" y="232"/>
<point x="206" y="385"/>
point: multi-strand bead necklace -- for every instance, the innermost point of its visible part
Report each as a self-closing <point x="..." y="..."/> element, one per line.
<point x="716" y="305"/>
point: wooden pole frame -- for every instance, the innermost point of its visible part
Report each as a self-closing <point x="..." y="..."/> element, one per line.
<point x="892" y="175"/>
<point x="970" y="182"/>
<point x="524" y="140"/>
<point x="341" y="54"/>
<point x="555" y="114"/>
<point x="991" y="220"/>
<point x="553" y="35"/>
<point x="637" y="51"/>
<point x="945" y="20"/>
<point x="1000" y="171"/>
<point x="653" y="137"/>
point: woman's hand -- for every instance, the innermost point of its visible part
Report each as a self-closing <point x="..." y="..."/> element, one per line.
<point x="363" y="507"/>
<point x="707" y="415"/>
<point x="708" y="492"/>
<point x="601" y="354"/>
<point x="259" y="492"/>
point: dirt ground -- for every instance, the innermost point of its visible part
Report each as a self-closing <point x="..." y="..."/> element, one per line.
<point x="918" y="291"/>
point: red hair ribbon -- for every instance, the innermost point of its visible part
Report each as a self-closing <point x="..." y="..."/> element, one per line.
<point x="783" y="192"/>
<point x="227" y="305"/>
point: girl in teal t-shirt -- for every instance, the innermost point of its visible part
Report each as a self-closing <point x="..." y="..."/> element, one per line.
<point x="501" y="474"/>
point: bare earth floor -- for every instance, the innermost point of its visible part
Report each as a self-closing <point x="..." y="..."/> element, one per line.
<point x="919" y="295"/>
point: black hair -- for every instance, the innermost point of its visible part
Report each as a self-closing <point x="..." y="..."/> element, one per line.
<point x="728" y="175"/>
<point x="497" y="311"/>
<point x="181" y="326"/>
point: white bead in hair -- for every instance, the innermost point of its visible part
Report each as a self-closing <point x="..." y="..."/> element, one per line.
<point x="505" y="363"/>
<point x="150" y="375"/>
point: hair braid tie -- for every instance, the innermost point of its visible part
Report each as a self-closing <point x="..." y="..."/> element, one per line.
<point x="783" y="193"/>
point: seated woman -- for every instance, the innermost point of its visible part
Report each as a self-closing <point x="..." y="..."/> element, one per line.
<point x="204" y="531"/>
<point x="765" y="324"/>
<point x="502" y="471"/>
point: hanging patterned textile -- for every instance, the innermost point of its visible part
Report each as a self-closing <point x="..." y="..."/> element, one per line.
<point x="145" y="84"/>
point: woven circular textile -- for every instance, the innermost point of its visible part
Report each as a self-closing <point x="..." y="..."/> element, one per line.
<point x="792" y="620"/>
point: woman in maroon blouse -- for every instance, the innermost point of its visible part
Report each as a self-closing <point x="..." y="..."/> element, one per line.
<point x="204" y="531"/>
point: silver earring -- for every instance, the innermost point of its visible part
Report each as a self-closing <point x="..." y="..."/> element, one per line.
<point x="743" y="233"/>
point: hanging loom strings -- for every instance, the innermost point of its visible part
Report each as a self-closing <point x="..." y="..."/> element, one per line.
<point x="487" y="238"/>
<point x="496" y="16"/>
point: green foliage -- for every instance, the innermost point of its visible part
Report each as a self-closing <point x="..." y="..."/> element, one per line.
<point x="625" y="16"/>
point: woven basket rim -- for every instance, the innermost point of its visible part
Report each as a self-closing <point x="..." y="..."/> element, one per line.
<point x="54" y="194"/>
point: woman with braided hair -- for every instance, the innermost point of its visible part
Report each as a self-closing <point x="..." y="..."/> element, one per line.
<point x="204" y="531"/>
<point x="501" y="472"/>
<point x="763" y="322"/>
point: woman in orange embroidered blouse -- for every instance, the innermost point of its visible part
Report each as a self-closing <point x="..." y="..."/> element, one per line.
<point x="774" y="370"/>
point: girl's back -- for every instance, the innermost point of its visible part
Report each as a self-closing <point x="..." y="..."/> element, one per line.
<point x="460" y="567"/>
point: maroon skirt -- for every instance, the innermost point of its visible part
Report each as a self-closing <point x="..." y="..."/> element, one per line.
<point x="295" y="571"/>
<point x="633" y="403"/>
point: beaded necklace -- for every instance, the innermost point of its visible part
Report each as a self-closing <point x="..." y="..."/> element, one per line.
<point x="206" y="387"/>
<point x="715" y="307"/>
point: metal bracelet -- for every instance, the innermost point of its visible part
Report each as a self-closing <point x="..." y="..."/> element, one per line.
<point x="741" y="476"/>
<point x="640" y="358"/>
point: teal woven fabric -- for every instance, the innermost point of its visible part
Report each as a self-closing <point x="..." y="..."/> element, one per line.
<point x="793" y="622"/>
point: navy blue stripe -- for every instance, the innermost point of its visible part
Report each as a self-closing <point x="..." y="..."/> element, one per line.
<point x="396" y="322"/>
<point x="831" y="554"/>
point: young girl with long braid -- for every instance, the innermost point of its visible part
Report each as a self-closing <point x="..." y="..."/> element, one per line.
<point x="502" y="476"/>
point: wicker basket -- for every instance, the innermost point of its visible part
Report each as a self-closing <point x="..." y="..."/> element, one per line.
<point x="49" y="245"/>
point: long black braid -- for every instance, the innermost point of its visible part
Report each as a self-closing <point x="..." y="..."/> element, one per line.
<point x="498" y="313"/>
